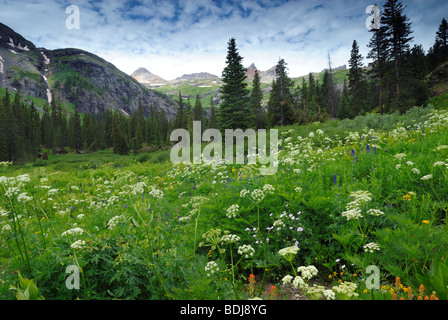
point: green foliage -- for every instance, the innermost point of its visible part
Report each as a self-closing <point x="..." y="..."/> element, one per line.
<point x="26" y="290"/>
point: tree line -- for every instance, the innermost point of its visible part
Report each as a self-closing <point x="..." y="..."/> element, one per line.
<point x="25" y="132"/>
<point x="393" y="82"/>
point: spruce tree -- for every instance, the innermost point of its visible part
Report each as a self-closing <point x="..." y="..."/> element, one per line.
<point x="76" y="131"/>
<point x="179" y="120"/>
<point x="344" y="110"/>
<point x="256" y="97"/>
<point x="378" y="53"/>
<point x="280" y="104"/>
<point x="356" y="80"/>
<point x="442" y="34"/>
<point x="234" y="111"/>
<point x="197" y="110"/>
<point x="212" y="122"/>
<point x="397" y="33"/>
<point x="4" y="106"/>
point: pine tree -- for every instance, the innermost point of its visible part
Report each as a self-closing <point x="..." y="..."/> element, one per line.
<point x="345" y="111"/>
<point x="197" y="110"/>
<point x="256" y="97"/>
<point x="357" y="83"/>
<point x="138" y="128"/>
<point x="442" y="34"/>
<point x="179" y="120"/>
<point x="15" y="130"/>
<point x="46" y="128"/>
<point x="76" y="129"/>
<point x="4" y="106"/>
<point x="439" y="52"/>
<point x="212" y="122"/>
<point x="397" y="35"/>
<point x="280" y="104"/>
<point x="378" y="53"/>
<point x="234" y="111"/>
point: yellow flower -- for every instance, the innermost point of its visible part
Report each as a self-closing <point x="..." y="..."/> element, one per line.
<point x="329" y="276"/>
<point x="366" y="291"/>
<point x="355" y="275"/>
<point x="425" y="221"/>
<point x="233" y="169"/>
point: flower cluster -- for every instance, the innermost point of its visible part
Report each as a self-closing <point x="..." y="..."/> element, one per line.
<point x="353" y="208"/>
<point x="232" y="211"/>
<point x="246" y="250"/>
<point x="307" y="272"/>
<point x="346" y="289"/>
<point x="375" y="212"/>
<point x="230" y="238"/>
<point x="156" y="193"/>
<point x="211" y="268"/>
<point x="371" y="247"/>
<point x="113" y="222"/>
<point x="289" y="252"/>
<point x="257" y="195"/>
<point x="78" y="245"/>
<point x="74" y="231"/>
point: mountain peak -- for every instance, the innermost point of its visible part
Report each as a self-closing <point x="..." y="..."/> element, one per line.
<point x="143" y="76"/>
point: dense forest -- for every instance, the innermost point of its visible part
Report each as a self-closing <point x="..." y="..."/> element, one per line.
<point x="394" y="82"/>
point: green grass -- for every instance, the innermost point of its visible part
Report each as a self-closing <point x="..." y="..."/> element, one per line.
<point x="151" y="229"/>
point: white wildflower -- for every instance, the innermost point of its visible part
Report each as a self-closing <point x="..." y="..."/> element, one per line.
<point x="371" y="247"/>
<point x="268" y="188"/>
<point x="24" y="197"/>
<point x="298" y="282"/>
<point x="74" y="231"/>
<point x="232" y="211"/>
<point x="244" y="192"/>
<point x="287" y="279"/>
<point x="246" y="250"/>
<point x="257" y="195"/>
<point x="352" y="214"/>
<point x="307" y="272"/>
<point x="211" y="268"/>
<point x="79" y="244"/>
<point x="375" y="212"/>
<point x="230" y="238"/>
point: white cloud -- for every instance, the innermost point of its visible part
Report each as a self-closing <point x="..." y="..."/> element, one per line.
<point x="171" y="38"/>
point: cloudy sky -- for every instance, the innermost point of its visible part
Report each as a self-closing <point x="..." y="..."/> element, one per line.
<point x="172" y="38"/>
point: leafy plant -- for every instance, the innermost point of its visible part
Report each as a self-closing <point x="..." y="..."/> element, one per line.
<point x="26" y="290"/>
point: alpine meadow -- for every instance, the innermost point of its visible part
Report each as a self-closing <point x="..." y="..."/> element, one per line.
<point x="103" y="194"/>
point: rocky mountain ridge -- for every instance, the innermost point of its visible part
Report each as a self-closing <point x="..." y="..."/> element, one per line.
<point x="81" y="78"/>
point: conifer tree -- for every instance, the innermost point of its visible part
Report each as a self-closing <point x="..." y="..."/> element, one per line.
<point x="197" y="111"/>
<point x="397" y="31"/>
<point x="344" y="110"/>
<point x="280" y="104"/>
<point x="256" y="97"/>
<point x="4" y="106"/>
<point x="212" y="122"/>
<point x="234" y="111"/>
<point x="378" y="53"/>
<point x="179" y="120"/>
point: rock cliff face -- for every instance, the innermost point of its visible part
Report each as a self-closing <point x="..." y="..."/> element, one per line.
<point x="265" y="76"/>
<point x="73" y="75"/>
